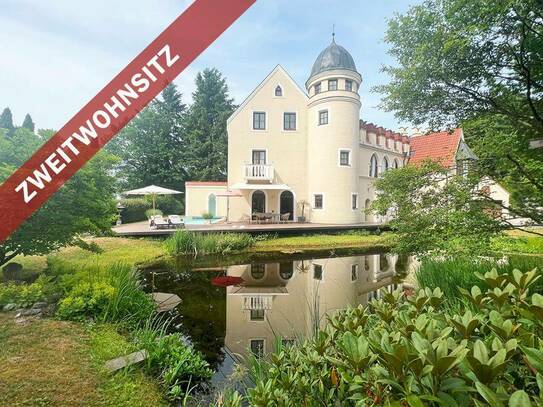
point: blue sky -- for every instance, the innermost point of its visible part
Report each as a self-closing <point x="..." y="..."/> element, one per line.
<point x="57" y="54"/>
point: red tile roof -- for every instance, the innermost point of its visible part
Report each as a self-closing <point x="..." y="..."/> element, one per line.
<point x="208" y="183"/>
<point x="440" y="147"/>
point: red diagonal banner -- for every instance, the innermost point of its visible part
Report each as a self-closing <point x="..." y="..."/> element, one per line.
<point x="113" y="107"/>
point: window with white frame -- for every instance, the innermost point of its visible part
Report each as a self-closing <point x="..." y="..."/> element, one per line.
<point x="323" y="117"/>
<point x="348" y="85"/>
<point x="289" y="121"/>
<point x="354" y="201"/>
<point x="257" y="347"/>
<point x="332" y="84"/>
<point x="317" y="272"/>
<point x="278" y="91"/>
<point x="354" y="272"/>
<point x="259" y="120"/>
<point x="259" y="157"/>
<point x="345" y="158"/>
<point x="373" y="166"/>
<point x="257" y="314"/>
<point x="317" y="88"/>
<point x="318" y="201"/>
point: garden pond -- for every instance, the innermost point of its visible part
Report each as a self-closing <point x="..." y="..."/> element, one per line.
<point x="234" y="305"/>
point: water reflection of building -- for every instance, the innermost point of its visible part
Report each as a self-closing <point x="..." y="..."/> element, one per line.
<point x="290" y="300"/>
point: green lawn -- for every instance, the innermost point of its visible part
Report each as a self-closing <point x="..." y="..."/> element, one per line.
<point x="134" y="251"/>
<point x="309" y="242"/>
<point x="48" y="362"/>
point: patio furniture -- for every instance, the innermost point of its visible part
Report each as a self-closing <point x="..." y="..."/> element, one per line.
<point x="160" y="223"/>
<point x="258" y="217"/>
<point x="285" y="217"/>
<point x="176" y="221"/>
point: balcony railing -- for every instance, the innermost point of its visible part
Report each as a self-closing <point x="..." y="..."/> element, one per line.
<point x="259" y="172"/>
<point x="257" y="302"/>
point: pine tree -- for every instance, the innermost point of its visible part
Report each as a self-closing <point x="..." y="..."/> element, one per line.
<point x="206" y="153"/>
<point x="6" y="119"/>
<point x="28" y="123"/>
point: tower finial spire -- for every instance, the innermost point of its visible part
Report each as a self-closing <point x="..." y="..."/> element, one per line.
<point x="333" y="33"/>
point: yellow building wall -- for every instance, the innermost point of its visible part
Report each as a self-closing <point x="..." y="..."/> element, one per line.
<point x="197" y="198"/>
<point x="286" y="150"/>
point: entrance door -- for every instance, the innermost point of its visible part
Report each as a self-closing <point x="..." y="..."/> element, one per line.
<point x="212" y="205"/>
<point x="258" y="202"/>
<point x="286" y="204"/>
<point x="259" y="157"/>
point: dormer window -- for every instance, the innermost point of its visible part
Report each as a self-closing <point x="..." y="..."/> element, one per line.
<point x="332" y="84"/>
<point x="317" y="88"/>
<point x="278" y="91"/>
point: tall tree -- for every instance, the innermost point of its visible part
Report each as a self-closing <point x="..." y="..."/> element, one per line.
<point x="6" y="119"/>
<point x="477" y="64"/>
<point x="151" y="146"/>
<point x="206" y="127"/>
<point x="28" y="123"/>
<point x="84" y="204"/>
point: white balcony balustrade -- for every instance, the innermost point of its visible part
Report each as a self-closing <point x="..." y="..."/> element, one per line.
<point x="259" y="302"/>
<point x="259" y="172"/>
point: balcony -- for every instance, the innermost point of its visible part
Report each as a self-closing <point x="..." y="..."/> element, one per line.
<point x="258" y="172"/>
<point x="260" y="302"/>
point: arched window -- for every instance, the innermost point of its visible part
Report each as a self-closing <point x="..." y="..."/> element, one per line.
<point x="258" y="271"/>
<point x="278" y="91"/>
<point x="286" y="270"/>
<point x="395" y="164"/>
<point x="384" y="165"/>
<point x="373" y="166"/>
<point x="212" y="205"/>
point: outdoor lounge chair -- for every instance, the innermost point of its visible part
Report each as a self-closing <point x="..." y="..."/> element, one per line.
<point x="176" y="221"/>
<point x="160" y="223"/>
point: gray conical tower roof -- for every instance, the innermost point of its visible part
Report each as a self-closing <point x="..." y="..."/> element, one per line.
<point x="333" y="57"/>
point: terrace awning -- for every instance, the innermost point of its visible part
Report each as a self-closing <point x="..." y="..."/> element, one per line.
<point x="229" y="193"/>
<point x="262" y="186"/>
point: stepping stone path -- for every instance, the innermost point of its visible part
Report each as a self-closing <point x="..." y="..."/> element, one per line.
<point x="118" y="363"/>
<point x="166" y="301"/>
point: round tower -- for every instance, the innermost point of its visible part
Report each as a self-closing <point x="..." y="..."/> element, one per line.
<point x="333" y="137"/>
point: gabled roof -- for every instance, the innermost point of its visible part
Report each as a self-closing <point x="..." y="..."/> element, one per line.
<point x="278" y="68"/>
<point x="440" y="147"/>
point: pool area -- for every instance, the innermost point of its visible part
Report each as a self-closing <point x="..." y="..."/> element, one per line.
<point x="198" y="220"/>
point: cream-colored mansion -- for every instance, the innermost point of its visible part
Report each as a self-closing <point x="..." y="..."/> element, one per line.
<point x="306" y="152"/>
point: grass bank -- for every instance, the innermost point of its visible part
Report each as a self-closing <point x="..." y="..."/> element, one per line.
<point x="48" y="362"/>
<point x="323" y="242"/>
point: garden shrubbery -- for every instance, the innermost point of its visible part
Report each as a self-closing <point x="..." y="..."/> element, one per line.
<point x="184" y="242"/>
<point x="415" y="351"/>
<point x="24" y="295"/>
<point x="135" y="208"/>
<point x="111" y="294"/>
<point x="178" y="366"/>
<point x="451" y="274"/>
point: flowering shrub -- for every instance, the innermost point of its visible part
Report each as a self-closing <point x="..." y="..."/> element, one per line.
<point x="415" y="351"/>
<point x="86" y="299"/>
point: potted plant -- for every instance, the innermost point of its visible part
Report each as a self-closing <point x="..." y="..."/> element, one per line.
<point x="303" y="203"/>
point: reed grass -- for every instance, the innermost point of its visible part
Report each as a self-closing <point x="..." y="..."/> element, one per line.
<point x="454" y="273"/>
<point x="189" y="243"/>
